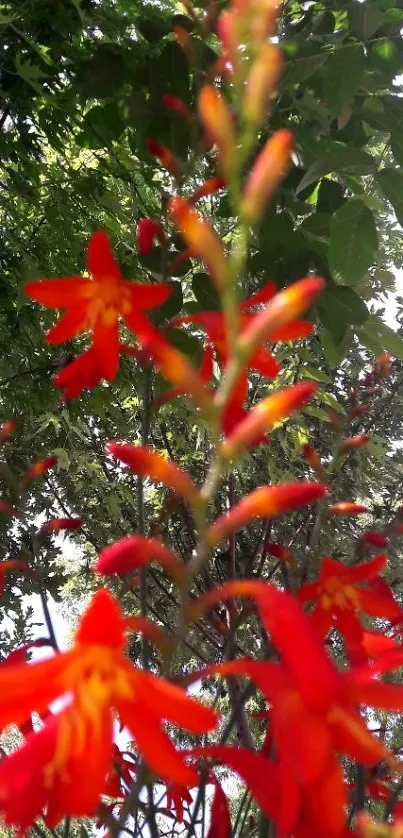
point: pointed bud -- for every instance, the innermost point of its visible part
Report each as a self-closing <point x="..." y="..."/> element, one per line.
<point x="147" y="463"/>
<point x="278" y="551"/>
<point x="345" y="508"/>
<point x="312" y="457"/>
<point x="174" y="365"/>
<point x="261" y="83"/>
<point x="134" y="551"/>
<point x="201" y="237"/>
<point x="334" y="418"/>
<point x="372" y="538"/>
<point x="382" y="365"/>
<point x="185" y="41"/>
<point x="267" y="172"/>
<point x="178" y="106"/>
<point x="38" y="470"/>
<point x="265" y="502"/>
<point x="263" y="20"/>
<point x="357" y="411"/>
<point x="59" y="524"/>
<point x="285" y="307"/>
<point x="141" y="625"/>
<point x="147" y="230"/>
<point x="262" y="418"/>
<point x="218" y="124"/>
<point x="211" y="186"/>
<point x="164" y="156"/>
<point x="353" y="442"/>
<point x="228" y="33"/>
<point x="6" y="430"/>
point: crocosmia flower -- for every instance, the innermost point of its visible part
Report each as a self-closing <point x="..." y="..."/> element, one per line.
<point x="63" y="768"/>
<point x="96" y="304"/>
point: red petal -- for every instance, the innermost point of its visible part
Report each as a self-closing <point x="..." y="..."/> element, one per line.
<point x="100" y="259"/>
<point x="293" y="331"/>
<point x="106" y="347"/>
<point x="258" y="773"/>
<point x="102" y="624"/>
<point x="146" y="296"/>
<point x="264" y="362"/>
<point x="220" y="818"/>
<point x="378" y="606"/>
<point x="57" y="293"/>
<point x="263" y="296"/>
<point x="155" y="745"/>
<point x="71" y="324"/>
<point x="368" y="570"/>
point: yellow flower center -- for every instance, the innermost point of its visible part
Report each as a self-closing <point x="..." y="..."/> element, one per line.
<point x="95" y="680"/>
<point x="334" y="593"/>
<point x="106" y="301"/>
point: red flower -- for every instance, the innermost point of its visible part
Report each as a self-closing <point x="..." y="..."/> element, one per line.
<point x="121" y="775"/>
<point x="64" y="766"/>
<point x="339" y="597"/>
<point x="96" y="305"/>
<point x="314" y="715"/>
<point x="6" y="430"/>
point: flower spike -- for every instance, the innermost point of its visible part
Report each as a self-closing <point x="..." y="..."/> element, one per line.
<point x="148" y="463"/>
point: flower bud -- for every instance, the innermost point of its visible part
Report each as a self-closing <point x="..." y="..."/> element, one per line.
<point x="267" y="172"/>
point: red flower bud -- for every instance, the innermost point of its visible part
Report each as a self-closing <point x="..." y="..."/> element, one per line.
<point x="346" y="508"/>
<point x="353" y="442"/>
<point x="372" y="538"/>
<point x="147" y="230"/>
<point x="6" y="430"/>
<point x="163" y="155"/>
<point x="178" y="106"/>
<point x="38" y="470"/>
<point x="59" y="524"/>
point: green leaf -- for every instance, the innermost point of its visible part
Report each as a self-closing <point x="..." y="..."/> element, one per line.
<point x="205" y="292"/>
<point x="346" y="159"/>
<point x="353" y="242"/>
<point x="393" y="108"/>
<point x="365" y="18"/>
<point x="104" y="73"/>
<point x="344" y="72"/>
<point x="382" y="337"/>
<point x="300" y="68"/>
<point x="342" y="303"/>
<point x="335" y="352"/>
<point x="184" y="341"/>
<point x="391" y="183"/>
<point x="331" y="196"/>
<point x="172" y="306"/>
<point x="317" y="375"/>
<point x="317" y="226"/>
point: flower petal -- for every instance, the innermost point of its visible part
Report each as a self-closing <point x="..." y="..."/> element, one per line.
<point x="100" y="259"/>
<point x="57" y="293"/>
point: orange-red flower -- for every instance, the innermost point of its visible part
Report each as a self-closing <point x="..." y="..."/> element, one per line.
<point x="164" y="155"/>
<point x="63" y="768"/>
<point x="97" y="304"/>
<point x="314" y="713"/>
<point x="339" y="597"/>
